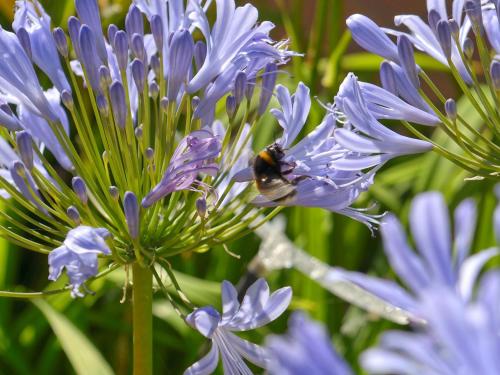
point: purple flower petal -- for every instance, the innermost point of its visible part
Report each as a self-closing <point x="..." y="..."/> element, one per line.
<point x="205" y="365"/>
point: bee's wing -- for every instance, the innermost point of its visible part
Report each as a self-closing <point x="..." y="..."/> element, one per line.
<point x="277" y="189"/>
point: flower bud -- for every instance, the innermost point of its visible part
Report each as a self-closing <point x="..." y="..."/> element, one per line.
<point x="240" y="86"/>
<point x="200" y="54"/>
<point x="139" y="74"/>
<point x="156" y="25"/>
<point x="154" y="90"/>
<point x="250" y="88"/>
<point x="74" y="25"/>
<point x="433" y="18"/>
<point x="114" y="192"/>
<point x="112" y="30"/>
<point x="67" y="99"/>
<point x="118" y="104"/>
<point x="387" y="78"/>
<point x="495" y="74"/>
<point x="180" y="58"/>
<point x="134" y="23"/>
<point x="149" y="153"/>
<point x="131" y="209"/>
<point x="104" y="77"/>
<point x="156" y="66"/>
<point x="88" y="56"/>
<point x="61" y="41"/>
<point x="137" y="46"/>
<point x="230" y="106"/>
<point x="468" y="48"/>
<point x="164" y="104"/>
<point x="454" y="28"/>
<point x="268" y="83"/>
<point x="19" y="168"/>
<point x="450" y="107"/>
<point x="25" y="147"/>
<point x="102" y="105"/>
<point x="138" y="132"/>
<point x="407" y="59"/>
<point x="73" y="214"/>
<point x="444" y="37"/>
<point x="474" y="12"/>
<point x="201" y="207"/>
<point x="80" y="189"/>
<point x="121" y="49"/>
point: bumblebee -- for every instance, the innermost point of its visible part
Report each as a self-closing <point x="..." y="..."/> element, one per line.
<point x="268" y="175"/>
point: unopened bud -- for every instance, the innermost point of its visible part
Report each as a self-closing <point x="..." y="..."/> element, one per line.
<point x="407" y="59"/>
<point x="201" y="207"/>
<point x="118" y="104"/>
<point x="157" y="31"/>
<point x="114" y="192"/>
<point x="230" y="106"/>
<point x="387" y="77"/>
<point x="134" y="23"/>
<point x="121" y="49"/>
<point x="495" y="74"/>
<point x="80" y="188"/>
<point x="73" y="214"/>
<point x="139" y="74"/>
<point x="450" y="107"/>
<point x="131" y="209"/>
<point x="138" y="132"/>
<point x="102" y="105"/>
<point x="468" y="48"/>
<point x="154" y="90"/>
<point x="61" y="41"/>
<point x="25" y="148"/>
<point x="200" y="54"/>
<point x="240" y="86"/>
<point x="112" y="30"/>
<point x="444" y="36"/>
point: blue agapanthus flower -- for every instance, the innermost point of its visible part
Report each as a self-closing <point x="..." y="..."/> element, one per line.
<point x="305" y="349"/>
<point x="331" y="166"/>
<point x="195" y="154"/>
<point x="257" y="309"/>
<point x="426" y="37"/>
<point x="442" y="261"/>
<point x="368" y="143"/>
<point x="78" y="255"/>
<point x="460" y="337"/>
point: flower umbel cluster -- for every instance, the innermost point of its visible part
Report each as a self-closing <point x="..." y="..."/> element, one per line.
<point x="466" y="41"/>
<point x="130" y="117"/>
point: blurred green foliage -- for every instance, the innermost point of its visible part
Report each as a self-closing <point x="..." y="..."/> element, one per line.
<point x="93" y="335"/>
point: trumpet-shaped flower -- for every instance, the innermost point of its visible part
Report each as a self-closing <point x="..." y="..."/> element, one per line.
<point x="305" y="349"/>
<point x="459" y="338"/>
<point x="257" y="309"/>
<point x="425" y="37"/>
<point x="31" y="17"/>
<point x="78" y="255"/>
<point x="367" y="142"/>
<point x="435" y="264"/>
<point x="194" y="155"/>
<point x="18" y="81"/>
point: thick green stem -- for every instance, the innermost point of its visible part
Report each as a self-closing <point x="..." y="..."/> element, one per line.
<point x="143" y="320"/>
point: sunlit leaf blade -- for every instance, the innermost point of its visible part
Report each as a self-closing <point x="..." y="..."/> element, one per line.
<point x="83" y="355"/>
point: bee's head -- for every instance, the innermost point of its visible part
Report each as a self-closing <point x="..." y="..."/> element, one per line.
<point x="276" y="151"/>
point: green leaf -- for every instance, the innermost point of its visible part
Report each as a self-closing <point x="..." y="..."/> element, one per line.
<point x="83" y="355"/>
